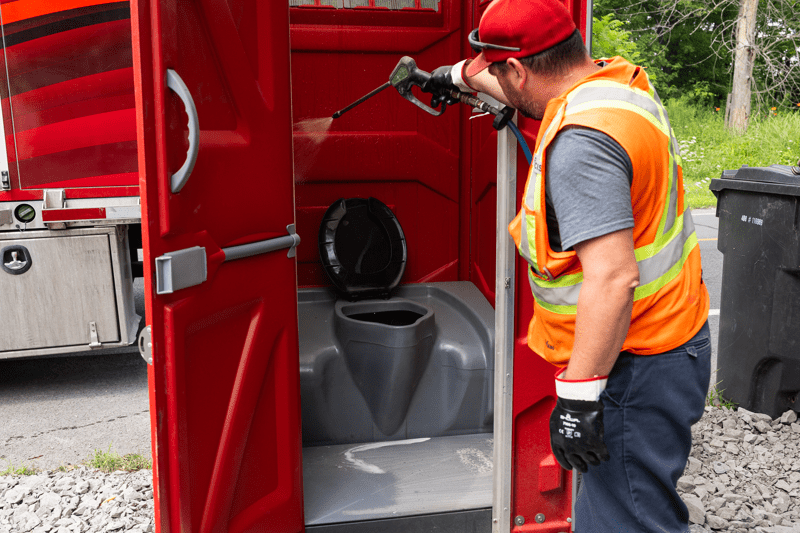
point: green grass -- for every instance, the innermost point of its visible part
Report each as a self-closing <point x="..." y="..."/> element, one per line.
<point x="23" y="470"/>
<point x="715" y="398"/>
<point x="110" y="461"/>
<point x="708" y="147"/>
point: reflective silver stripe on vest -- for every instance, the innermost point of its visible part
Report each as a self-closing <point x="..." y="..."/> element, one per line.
<point x="555" y="295"/>
<point x="524" y="246"/>
<point x="672" y="209"/>
<point x="590" y="94"/>
<point x="674" y="152"/>
<point x="530" y="196"/>
<point x="650" y="269"/>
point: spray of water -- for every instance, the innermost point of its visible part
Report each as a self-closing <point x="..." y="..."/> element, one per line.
<point x="306" y="146"/>
<point x="316" y="128"/>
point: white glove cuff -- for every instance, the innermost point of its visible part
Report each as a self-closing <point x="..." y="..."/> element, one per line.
<point x="587" y="390"/>
<point x="457" y="74"/>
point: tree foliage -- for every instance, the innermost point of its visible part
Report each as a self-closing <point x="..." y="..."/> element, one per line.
<point x="691" y="43"/>
<point x="610" y="38"/>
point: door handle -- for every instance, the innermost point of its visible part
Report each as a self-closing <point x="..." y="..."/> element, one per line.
<point x="179" y="179"/>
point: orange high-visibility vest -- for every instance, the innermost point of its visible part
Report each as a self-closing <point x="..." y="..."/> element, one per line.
<point x="671" y="302"/>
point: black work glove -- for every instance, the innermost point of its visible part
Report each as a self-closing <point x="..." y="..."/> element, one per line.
<point x="576" y="434"/>
<point x="441" y="85"/>
<point x="441" y="81"/>
<point x="446" y="79"/>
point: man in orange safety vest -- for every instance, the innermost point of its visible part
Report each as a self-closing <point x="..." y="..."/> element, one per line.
<point x="614" y="263"/>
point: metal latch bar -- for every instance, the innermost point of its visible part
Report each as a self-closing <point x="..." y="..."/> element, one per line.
<point x="5" y="181"/>
<point x="290" y="241"/>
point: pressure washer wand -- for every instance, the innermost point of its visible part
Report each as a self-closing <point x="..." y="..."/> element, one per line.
<point x="362" y="99"/>
<point x="404" y="76"/>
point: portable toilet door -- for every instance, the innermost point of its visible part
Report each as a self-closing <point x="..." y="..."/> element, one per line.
<point x="220" y="274"/>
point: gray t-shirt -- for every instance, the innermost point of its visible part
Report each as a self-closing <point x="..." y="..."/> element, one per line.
<point x="587" y="187"/>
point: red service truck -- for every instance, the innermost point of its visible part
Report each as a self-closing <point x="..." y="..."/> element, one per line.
<point x="69" y="181"/>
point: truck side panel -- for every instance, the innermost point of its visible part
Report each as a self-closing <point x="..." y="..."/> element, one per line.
<point x="68" y="104"/>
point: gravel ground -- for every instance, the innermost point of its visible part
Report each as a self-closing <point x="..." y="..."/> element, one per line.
<point x="744" y="473"/>
<point x="80" y="500"/>
<point x="743" y="476"/>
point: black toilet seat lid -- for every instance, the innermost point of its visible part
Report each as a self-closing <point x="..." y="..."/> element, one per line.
<point x="362" y="248"/>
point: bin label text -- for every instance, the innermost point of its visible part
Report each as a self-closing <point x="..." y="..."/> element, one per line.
<point x="753" y="220"/>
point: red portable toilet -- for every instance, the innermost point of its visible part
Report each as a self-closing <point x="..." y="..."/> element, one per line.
<point x="234" y="447"/>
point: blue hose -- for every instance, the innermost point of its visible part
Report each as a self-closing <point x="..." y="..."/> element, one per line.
<point x="521" y="140"/>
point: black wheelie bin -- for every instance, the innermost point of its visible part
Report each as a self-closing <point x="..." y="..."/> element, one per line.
<point x="759" y="332"/>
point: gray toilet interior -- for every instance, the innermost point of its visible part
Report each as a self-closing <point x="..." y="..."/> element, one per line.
<point x="454" y="394"/>
<point x="448" y="419"/>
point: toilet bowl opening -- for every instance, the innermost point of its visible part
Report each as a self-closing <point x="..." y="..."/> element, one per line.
<point x="386" y="312"/>
<point x="399" y="317"/>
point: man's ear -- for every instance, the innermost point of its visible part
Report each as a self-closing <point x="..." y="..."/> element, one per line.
<point x="519" y="74"/>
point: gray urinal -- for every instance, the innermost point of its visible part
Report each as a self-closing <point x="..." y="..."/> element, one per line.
<point x="387" y="345"/>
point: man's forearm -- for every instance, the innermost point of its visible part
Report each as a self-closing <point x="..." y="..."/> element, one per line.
<point x="610" y="276"/>
<point x="603" y="319"/>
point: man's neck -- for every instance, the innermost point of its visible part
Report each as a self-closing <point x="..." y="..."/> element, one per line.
<point x="576" y="74"/>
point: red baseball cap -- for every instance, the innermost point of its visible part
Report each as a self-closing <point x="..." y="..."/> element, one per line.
<point x="518" y="28"/>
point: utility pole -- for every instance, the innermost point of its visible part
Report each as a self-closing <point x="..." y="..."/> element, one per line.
<point x="743" y="66"/>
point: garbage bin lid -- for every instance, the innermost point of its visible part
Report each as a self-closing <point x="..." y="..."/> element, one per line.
<point x="759" y="179"/>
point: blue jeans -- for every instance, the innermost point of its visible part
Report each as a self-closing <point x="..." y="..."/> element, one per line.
<point x="650" y="404"/>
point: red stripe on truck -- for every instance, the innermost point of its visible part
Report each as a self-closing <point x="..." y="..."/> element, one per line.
<point x="65" y="215"/>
